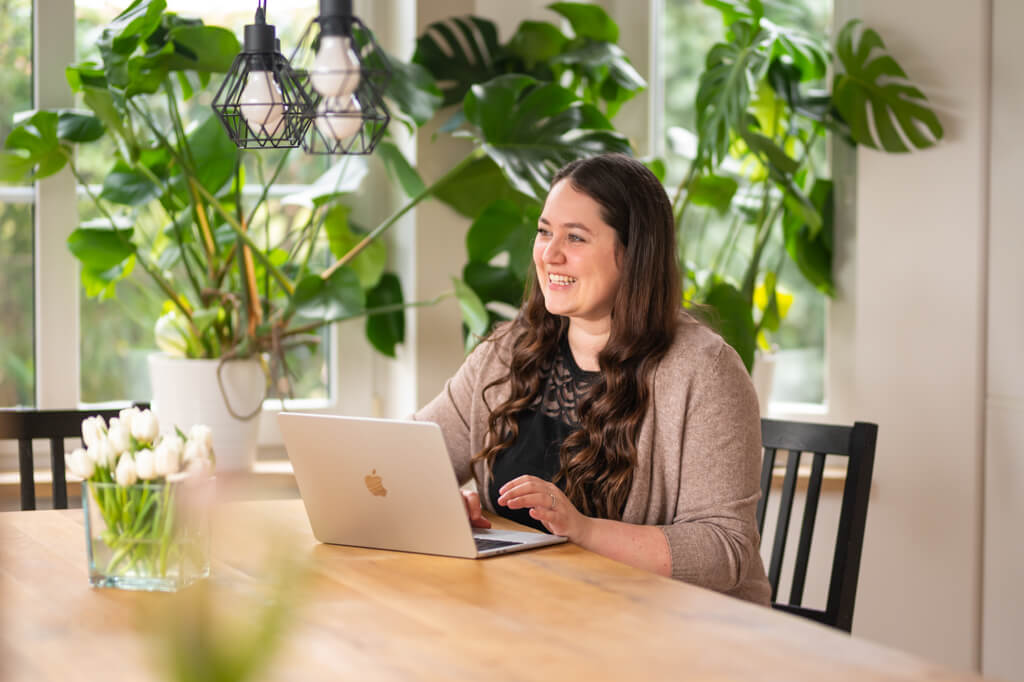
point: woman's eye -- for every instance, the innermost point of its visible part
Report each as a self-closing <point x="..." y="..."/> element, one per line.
<point x="576" y="238"/>
<point x="541" y="232"/>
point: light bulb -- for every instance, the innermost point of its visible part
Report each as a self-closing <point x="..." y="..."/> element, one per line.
<point x="261" y="103"/>
<point x="338" y="119"/>
<point x="335" y="71"/>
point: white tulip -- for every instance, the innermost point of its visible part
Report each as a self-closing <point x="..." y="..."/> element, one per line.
<point x="198" y="466"/>
<point x="145" y="464"/>
<point x="93" y="429"/>
<point x="194" y="450"/>
<point x="103" y="454"/>
<point x="145" y="427"/>
<point x="118" y="436"/>
<point x="202" y="434"/>
<point x="168" y="455"/>
<point x="127" y="415"/>
<point x="126" y="473"/>
<point x="80" y="464"/>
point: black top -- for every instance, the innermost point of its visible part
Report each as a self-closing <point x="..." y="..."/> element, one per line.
<point x="542" y="430"/>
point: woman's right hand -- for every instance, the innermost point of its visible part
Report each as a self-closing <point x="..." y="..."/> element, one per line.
<point x="474" y="510"/>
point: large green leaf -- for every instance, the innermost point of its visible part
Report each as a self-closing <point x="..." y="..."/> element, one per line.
<point x="600" y="60"/>
<point x="214" y="154"/>
<point x="127" y="185"/>
<point x="77" y="127"/>
<point x="101" y="248"/>
<point x="873" y="92"/>
<point x="400" y="169"/>
<point x="15" y="167"/>
<point x="532" y="129"/>
<point x="724" y="90"/>
<point x="35" y="147"/>
<point x="536" y="42"/>
<point x="504" y="227"/>
<point x="385" y="330"/>
<point x="712" y="190"/>
<point x="588" y="20"/>
<point x="411" y="88"/>
<point x="811" y="249"/>
<point x="476" y="186"/>
<point x="369" y="264"/>
<point x="474" y="315"/>
<point x="493" y="283"/>
<point x="339" y="297"/>
<point x="442" y="49"/>
<point x="132" y="25"/>
<point x="734" y="320"/>
<point x="210" y="49"/>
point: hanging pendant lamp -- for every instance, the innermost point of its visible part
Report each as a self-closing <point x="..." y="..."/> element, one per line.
<point x="261" y="102"/>
<point x="344" y="74"/>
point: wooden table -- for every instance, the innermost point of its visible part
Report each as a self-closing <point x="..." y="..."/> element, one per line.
<point x="556" y="613"/>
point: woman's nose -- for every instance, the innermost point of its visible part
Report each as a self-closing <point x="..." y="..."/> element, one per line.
<point x="553" y="251"/>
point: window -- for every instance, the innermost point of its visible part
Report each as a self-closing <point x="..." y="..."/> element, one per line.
<point x="689" y="29"/>
<point x="17" y="353"/>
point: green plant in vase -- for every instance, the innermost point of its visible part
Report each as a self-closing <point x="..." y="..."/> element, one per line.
<point x="235" y="284"/>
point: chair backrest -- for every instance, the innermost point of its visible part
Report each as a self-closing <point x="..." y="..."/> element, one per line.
<point x="56" y="425"/>
<point x="857" y="444"/>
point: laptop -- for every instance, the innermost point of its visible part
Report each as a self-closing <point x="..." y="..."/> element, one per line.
<point x="387" y="484"/>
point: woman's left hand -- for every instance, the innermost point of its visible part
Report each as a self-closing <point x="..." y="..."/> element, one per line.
<point x="547" y="503"/>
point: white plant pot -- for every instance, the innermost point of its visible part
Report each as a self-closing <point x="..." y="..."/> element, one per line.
<point x="186" y="392"/>
<point x="763" y="376"/>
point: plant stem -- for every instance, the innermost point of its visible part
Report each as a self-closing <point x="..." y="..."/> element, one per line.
<point x="382" y="310"/>
<point x="476" y="154"/>
<point x="277" y="274"/>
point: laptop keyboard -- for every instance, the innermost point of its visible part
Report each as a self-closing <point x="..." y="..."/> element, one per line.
<point x="483" y="544"/>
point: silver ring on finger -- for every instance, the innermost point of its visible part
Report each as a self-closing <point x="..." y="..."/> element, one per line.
<point x="552" y="501"/>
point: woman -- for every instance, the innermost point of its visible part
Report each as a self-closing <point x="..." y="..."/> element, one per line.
<point x="604" y="412"/>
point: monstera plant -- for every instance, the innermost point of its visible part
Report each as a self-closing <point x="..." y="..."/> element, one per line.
<point x="762" y="119"/>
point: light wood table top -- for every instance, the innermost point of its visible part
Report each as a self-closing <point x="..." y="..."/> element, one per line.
<point x="555" y="613"/>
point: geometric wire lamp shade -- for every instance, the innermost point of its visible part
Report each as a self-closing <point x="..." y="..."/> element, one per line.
<point x="344" y="74"/>
<point x="261" y="103"/>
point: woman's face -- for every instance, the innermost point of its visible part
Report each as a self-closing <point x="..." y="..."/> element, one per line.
<point x="577" y="256"/>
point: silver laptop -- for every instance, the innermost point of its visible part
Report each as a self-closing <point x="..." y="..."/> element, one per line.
<point x="387" y="484"/>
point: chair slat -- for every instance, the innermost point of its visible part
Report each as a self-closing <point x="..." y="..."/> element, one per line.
<point x="59" y="484"/>
<point x="803" y="552"/>
<point x="782" y="526"/>
<point x="767" y="466"/>
<point x="26" y="474"/>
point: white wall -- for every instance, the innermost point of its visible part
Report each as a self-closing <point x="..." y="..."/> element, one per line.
<point x="920" y="341"/>
<point x="1002" y="592"/>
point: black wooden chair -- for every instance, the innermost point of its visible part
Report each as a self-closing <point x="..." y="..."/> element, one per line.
<point x="55" y="425"/>
<point x="857" y="444"/>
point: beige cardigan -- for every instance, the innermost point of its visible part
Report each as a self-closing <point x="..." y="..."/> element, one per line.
<point x="698" y="454"/>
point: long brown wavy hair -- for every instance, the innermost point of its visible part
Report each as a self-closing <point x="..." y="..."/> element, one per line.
<point x="598" y="459"/>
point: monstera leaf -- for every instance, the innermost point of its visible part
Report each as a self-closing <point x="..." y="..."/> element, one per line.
<point x="531" y="129"/>
<point x="874" y="87"/>
<point x="724" y="90"/>
<point x="459" y="52"/>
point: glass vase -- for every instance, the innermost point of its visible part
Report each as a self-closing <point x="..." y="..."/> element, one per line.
<point x="148" y="536"/>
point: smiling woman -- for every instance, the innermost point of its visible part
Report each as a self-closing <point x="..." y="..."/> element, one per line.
<point x="605" y="413"/>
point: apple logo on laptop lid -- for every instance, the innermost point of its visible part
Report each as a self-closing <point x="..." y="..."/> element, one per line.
<point x="375" y="484"/>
